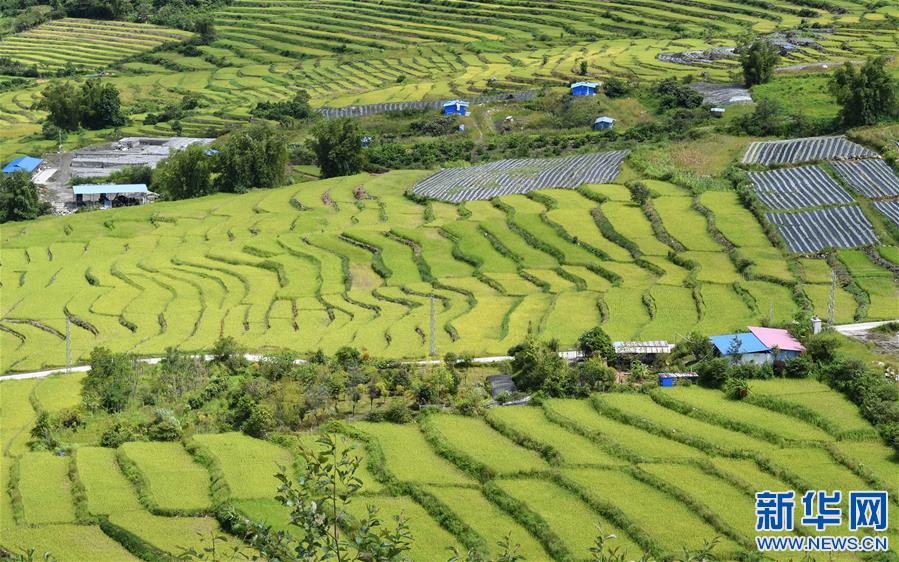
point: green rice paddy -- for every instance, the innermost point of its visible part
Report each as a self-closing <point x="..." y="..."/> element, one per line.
<point x="610" y="469"/>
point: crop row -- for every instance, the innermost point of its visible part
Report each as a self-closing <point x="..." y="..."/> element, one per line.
<point x="506" y="177"/>
<point x="813" y="231"/>
<point x="797" y="151"/>
<point x="871" y="178"/>
<point x="798" y="188"/>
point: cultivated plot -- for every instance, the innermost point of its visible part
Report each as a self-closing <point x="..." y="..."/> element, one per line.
<point x="871" y="178"/>
<point x="796" y="151"/>
<point x="890" y="209"/>
<point x="813" y="231"/>
<point x="507" y="177"/>
<point x="798" y="188"/>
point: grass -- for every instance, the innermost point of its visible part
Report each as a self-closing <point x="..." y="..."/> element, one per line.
<point x="249" y="465"/>
<point x="487" y="520"/>
<point x="645" y="505"/>
<point x="67" y="543"/>
<point x="409" y="457"/>
<point x="817" y="467"/>
<point x="176" y="482"/>
<point x="428" y="537"/>
<point x="107" y="489"/>
<point x="476" y="439"/>
<point x="713" y="401"/>
<point x="59" y="392"/>
<point x="566" y="515"/>
<point x="628" y="437"/>
<point x="45" y="488"/>
<point x="16" y="414"/>
<point x="175" y="535"/>
<point x="874" y="457"/>
<point x="532" y="423"/>
<point x="818" y="397"/>
<point x="643" y="409"/>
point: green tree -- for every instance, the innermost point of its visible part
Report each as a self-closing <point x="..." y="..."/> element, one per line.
<point x="317" y="501"/>
<point x="337" y="144"/>
<point x="595" y="341"/>
<point x="759" y="59"/>
<point x="100" y="105"/>
<point x="62" y="102"/>
<point x="19" y="198"/>
<point x="865" y="94"/>
<point x="110" y="382"/>
<point x="186" y="173"/>
<point x="534" y="363"/>
<point x="253" y="157"/>
<point x="640" y="194"/>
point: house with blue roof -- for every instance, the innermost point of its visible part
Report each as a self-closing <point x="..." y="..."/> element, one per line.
<point x="25" y="164"/>
<point x="584" y="88"/>
<point x="455" y="107"/>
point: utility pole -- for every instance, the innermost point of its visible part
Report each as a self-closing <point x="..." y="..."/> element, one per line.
<point x="832" y="300"/>
<point x="433" y="328"/>
<point x="68" y="347"/>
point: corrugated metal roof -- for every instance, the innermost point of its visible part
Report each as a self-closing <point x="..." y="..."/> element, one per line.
<point x="22" y="164"/>
<point x="109" y="188"/>
<point x="688" y="375"/>
<point x="604" y="119"/>
<point x="656" y="346"/>
<point x="587" y="84"/>
<point x="748" y="343"/>
<point x="455" y="102"/>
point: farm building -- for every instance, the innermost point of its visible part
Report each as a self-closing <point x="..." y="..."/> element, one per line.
<point x="112" y="195"/>
<point x="758" y="345"/>
<point x="584" y="88"/>
<point x="672" y="379"/>
<point x="22" y="164"/>
<point x="717" y="112"/>
<point x="645" y="351"/>
<point x="603" y="123"/>
<point x="100" y="161"/>
<point x="455" y="107"/>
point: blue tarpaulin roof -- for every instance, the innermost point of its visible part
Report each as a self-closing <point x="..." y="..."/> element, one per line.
<point x="748" y="343"/>
<point x="97" y="189"/>
<point x="22" y="164"/>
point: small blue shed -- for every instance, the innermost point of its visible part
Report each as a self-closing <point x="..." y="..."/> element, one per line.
<point x="584" y="89"/>
<point x="455" y="107"/>
<point x="22" y="164"/>
<point x="670" y="379"/>
<point x="603" y="123"/>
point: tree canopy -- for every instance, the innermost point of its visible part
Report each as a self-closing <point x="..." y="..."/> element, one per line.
<point x="865" y="94"/>
<point x="759" y="59"/>
<point x="96" y="105"/>
<point x="19" y="198"/>
<point x="337" y="145"/>
<point x="184" y="174"/>
<point x="252" y="157"/>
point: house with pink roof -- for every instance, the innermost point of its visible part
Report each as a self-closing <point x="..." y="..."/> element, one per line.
<point x="758" y="345"/>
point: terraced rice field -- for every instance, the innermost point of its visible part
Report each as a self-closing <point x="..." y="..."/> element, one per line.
<point x="310" y="266"/>
<point x="813" y="231"/>
<point x="85" y="43"/>
<point x="618" y="473"/>
<point x="798" y="188"/>
<point x="797" y="151"/>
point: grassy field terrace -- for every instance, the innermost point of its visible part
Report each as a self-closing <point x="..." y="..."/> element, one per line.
<point x="325" y="264"/>
<point x="546" y="475"/>
<point x="89" y="44"/>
